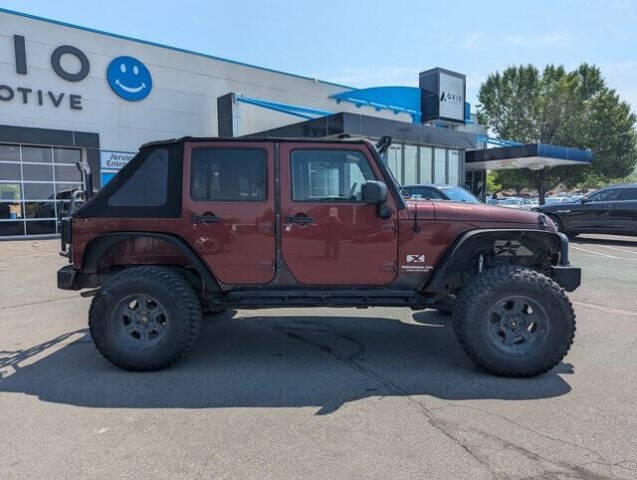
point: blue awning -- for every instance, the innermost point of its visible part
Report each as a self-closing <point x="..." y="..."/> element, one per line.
<point x="532" y="155"/>
<point x="396" y="99"/>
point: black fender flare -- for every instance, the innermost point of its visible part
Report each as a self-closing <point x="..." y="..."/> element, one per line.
<point x="466" y="246"/>
<point x="96" y="248"/>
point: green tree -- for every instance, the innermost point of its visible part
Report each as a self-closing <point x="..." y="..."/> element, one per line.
<point x="492" y="184"/>
<point x="563" y="108"/>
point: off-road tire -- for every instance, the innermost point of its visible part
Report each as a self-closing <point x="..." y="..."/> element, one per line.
<point x="183" y="313"/>
<point x="483" y="293"/>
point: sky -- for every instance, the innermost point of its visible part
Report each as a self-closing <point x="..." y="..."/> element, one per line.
<point x="364" y="43"/>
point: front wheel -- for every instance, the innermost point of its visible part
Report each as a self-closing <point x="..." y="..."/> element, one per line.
<point x="513" y="321"/>
<point x="145" y="318"/>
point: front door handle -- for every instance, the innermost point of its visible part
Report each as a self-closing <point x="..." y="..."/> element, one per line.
<point x="300" y="218"/>
<point x="205" y="218"/>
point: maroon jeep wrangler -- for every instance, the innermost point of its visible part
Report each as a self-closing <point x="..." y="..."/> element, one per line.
<point x="199" y="225"/>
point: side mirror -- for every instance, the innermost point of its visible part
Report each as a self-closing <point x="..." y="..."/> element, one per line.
<point x="374" y="192"/>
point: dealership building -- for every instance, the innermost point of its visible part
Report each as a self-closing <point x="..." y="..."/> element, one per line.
<point x="72" y="94"/>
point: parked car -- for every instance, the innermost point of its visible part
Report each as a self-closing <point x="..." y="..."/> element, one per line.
<point x="611" y="210"/>
<point x="439" y="192"/>
<point x="517" y="202"/>
<point x="204" y="224"/>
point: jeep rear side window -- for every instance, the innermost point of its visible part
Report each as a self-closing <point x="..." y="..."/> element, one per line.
<point x="228" y="174"/>
<point x="148" y="186"/>
<point x="329" y="175"/>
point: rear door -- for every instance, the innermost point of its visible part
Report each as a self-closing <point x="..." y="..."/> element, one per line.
<point x="328" y="235"/>
<point x="228" y="208"/>
<point x="625" y="211"/>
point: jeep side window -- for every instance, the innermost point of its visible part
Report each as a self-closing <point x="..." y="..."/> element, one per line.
<point x="329" y="175"/>
<point x="228" y="174"/>
<point x="148" y="186"/>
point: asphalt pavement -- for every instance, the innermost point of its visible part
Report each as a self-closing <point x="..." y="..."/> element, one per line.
<point x="315" y="393"/>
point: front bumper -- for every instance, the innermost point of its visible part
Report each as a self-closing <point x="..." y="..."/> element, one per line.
<point x="567" y="276"/>
<point x="66" y="278"/>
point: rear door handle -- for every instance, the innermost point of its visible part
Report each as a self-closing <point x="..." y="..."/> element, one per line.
<point x="205" y="218"/>
<point x="299" y="218"/>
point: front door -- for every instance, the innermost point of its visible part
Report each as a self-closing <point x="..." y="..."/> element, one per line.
<point x="328" y="235"/>
<point x="228" y="209"/>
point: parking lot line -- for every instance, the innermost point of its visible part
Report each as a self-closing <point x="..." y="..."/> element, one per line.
<point x="592" y="251"/>
<point x="603" y="308"/>
<point x="618" y="249"/>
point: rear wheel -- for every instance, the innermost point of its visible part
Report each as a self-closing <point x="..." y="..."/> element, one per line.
<point x="513" y="321"/>
<point x="145" y="318"/>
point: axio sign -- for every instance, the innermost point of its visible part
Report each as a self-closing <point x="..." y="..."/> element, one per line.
<point x="128" y="77"/>
<point x="443" y="95"/>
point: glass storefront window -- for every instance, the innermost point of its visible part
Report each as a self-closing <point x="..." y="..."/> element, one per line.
<point x="39" y="173"/>
<point x="10" y="210"/>
<point x="67" y="173"/>
<point x="440" y="165"/>
<point x="394" y="162"/>
<point x="11" y="228"/>
<point x="33" y="182"/>
<point x="454" y="167"/>
<point x="425" y="165"/>
<point x="37" y="154"/>
<point x="10" y="191"/>
<point x="10" y="171"/>
<point x="67" y="155"/>
<point x="38" y="191"/>
<point x="39" y="210"/>
<point x="411" y="164"/>
<point x="40" y="227"/>
<point x="9" y="153"/>
<point x="64" y="190"/>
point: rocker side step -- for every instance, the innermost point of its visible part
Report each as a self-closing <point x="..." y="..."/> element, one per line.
<point x="260" y="298"/>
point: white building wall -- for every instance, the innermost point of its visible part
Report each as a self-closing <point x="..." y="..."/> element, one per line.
<point x="183" y="100"/>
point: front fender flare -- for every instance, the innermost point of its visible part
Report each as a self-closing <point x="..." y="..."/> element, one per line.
<point x="467" y="246"/>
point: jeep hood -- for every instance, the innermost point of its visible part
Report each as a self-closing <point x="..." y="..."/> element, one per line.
<point x="470" y="212"/>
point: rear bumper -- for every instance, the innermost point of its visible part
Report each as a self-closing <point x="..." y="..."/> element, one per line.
<point x="567" y="276"/>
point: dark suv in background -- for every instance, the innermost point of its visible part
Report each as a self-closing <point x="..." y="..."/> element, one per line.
<point x="611" y="210"/>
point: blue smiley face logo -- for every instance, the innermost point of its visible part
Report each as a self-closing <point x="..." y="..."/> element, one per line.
<point x="129" y="78"/>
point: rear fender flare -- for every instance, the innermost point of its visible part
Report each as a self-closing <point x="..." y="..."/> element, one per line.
<point x="96" y="248"/>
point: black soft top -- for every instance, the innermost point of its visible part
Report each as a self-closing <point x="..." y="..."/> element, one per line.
<point x="172" y="141"/>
